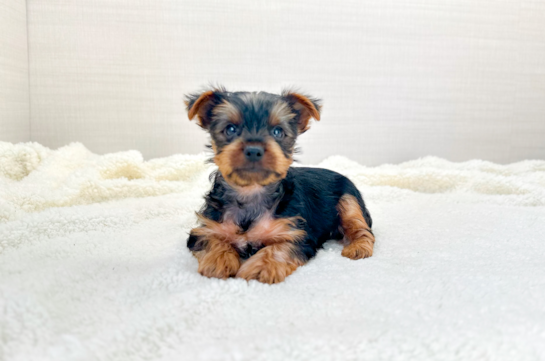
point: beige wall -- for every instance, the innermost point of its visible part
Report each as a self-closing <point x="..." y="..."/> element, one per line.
<point x="400" y="78"/>
<point x="14" y="90"/>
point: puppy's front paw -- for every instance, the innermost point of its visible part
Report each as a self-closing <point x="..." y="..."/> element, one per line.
<point x="222" y="263"/>
<point x="266" y="273"/>
<point x="269" y="265"/>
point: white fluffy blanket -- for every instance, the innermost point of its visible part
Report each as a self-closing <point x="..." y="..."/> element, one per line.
<point x="93" y="266"/>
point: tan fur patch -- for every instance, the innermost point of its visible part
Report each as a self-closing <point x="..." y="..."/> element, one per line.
<point x="220" y="260"/>
<point x="198" y="109"/>
<point x="249" y="179"/>
<point x="271" y="264"/>
<point x="265" y="230"/>
<point x="231" y="157"/>
<point x="276" y="160"/>
<point x="268" y="230"/>
<point x="225" y="231"/>
<point x="357" y="233"/>
<point x="305" y="108"/>
<point x="280" y="113"/>
<point x="228" y="111"/>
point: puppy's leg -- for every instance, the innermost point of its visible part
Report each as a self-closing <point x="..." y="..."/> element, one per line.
<point x="273" y="263"/>
<point x="217" y="257"/>
<point x="220" y="260"/>
<point x="282" y="253"/>
<point x="357" y="233"/>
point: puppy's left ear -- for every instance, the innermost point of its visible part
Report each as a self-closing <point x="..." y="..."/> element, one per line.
<point x="306" y="107"/>
<point x="201" y="105"/>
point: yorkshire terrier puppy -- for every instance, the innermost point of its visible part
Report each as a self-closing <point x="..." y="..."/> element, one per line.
<point x="263" y="219"/>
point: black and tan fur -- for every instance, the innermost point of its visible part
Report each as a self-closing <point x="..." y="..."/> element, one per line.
<point x="263" y="219"/>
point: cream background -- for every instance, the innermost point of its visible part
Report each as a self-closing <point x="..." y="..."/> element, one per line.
<point x="400" y="79"/>
<point x="14" y="89"/>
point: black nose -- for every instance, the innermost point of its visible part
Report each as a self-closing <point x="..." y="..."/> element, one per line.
<point x="254" y="153"/>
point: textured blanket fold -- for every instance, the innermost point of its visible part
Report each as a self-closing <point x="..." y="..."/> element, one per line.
<point x="93" y="266"/>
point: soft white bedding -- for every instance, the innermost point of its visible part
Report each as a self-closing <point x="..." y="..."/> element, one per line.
<point x="93" y="266"/>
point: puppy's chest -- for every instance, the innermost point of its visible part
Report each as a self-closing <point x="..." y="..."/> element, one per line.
<point x="244" y="216"/>
<point x="243" y="220"/>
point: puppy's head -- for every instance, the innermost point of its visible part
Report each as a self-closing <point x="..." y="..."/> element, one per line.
<point x="253" y="134"/>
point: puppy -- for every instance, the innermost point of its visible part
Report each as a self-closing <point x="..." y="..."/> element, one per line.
<point x="263" y="219"/>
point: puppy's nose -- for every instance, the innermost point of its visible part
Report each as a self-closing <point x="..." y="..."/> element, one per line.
<point x="254" y="153"/>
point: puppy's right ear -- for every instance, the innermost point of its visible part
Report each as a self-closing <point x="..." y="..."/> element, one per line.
<point x="201" y="105"/>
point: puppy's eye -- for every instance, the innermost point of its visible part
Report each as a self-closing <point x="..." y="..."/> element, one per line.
<point x="278" y="133"/>
<point x="230" y="130"/>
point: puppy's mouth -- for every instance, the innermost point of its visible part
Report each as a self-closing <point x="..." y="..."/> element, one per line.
<point x="253" y="170"/>
<point x="253" y="174"/>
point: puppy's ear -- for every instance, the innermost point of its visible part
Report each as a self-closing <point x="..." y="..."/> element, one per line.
<point x="306" y="107"/>
<point x="201" y="105"/>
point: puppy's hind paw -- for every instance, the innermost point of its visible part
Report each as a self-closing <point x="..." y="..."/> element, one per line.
<point x="358" y="249"/>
